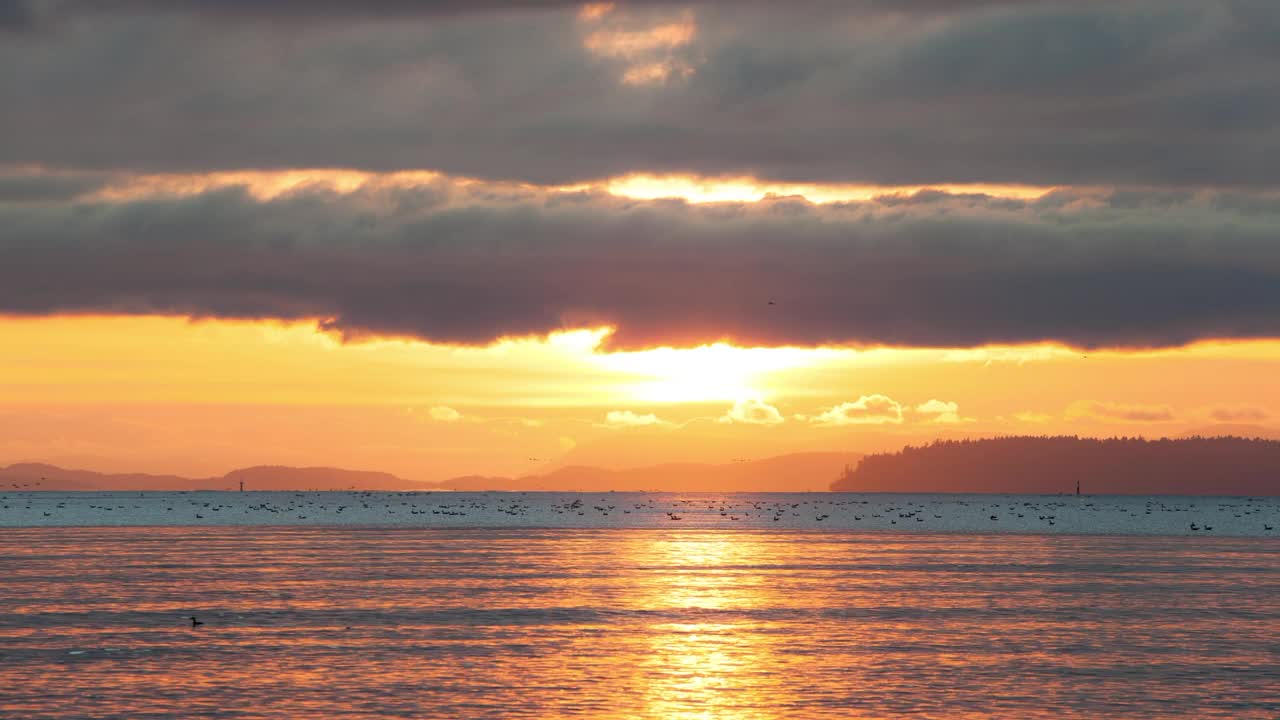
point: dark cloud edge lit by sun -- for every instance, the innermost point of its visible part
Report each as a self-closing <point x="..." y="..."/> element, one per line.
<point x="952" y="174"/>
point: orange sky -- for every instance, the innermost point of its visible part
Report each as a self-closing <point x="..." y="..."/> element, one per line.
<point x="627" y="175"/>
<point x="171" y="395"/>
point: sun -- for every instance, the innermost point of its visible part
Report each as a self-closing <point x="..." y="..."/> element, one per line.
<point x="710" y="373"/>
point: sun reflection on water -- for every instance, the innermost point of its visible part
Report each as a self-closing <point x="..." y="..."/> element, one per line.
<point x="717" y="667"/>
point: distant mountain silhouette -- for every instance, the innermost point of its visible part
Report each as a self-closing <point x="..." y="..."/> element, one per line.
<point x="1185" y="466"/>
<point x="796" y="472"/>
<point x="38" y="476"/>
<point x="280" y="477"/>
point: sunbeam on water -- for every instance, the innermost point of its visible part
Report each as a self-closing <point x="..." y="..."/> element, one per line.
<point x="669" y="621"/>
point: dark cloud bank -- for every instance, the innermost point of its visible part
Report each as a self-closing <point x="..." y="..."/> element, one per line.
<point x="1151" y="92"/>
<point x="1178" y="98"/>
<point x="468" y="264"/>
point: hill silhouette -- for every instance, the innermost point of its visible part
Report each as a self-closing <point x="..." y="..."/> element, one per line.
<point x="1183" y="466"/>
<point x="795" y="472"/>
<point x="39" y="476"/>
<point x="281" y="477"/>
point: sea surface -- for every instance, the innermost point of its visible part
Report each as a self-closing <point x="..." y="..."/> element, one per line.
<point x="516" y="610"/>
<point x="875" y="512"/>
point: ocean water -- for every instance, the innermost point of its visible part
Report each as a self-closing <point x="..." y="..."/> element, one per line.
<point x="1033" y="514"/>
<point x="702" y="617"/>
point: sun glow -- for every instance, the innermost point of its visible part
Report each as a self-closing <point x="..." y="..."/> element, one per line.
<point x="165" y="394"/>
<point x="710" y="373"/>
<point x="698" y="189"/>
<point x="268" y="185"/>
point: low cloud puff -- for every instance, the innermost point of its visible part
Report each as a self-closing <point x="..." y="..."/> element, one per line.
<point x="445" y="414"/>
<point x="939" y="411"/>
<point x="629" y="419"/>
<point x="1239" y="414"/>
<point x="1123" y="412"/>
<point x="751" y="411"/>
<point x="866" y="410"/>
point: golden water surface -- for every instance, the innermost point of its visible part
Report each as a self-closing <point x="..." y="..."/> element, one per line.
<point x="319" y="622"/>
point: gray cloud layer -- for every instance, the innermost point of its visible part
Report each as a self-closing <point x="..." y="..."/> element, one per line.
<point x="1150" y="92"/>
<point x="28" y="14"/>
<point x="469" y="264"/>
<point x="1170" y="96"/>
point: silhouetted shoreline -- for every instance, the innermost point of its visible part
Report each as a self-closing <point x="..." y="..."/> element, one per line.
<point x="1053" y="465"/>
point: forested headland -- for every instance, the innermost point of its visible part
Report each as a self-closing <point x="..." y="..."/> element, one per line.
<point x="1027" y="464"/>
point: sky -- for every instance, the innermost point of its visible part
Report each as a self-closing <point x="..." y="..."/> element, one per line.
<point x="495" y="237"/>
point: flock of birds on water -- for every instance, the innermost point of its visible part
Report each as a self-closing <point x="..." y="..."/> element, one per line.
<point x="1030" y="514"/>
<point x="877" y="513"/>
